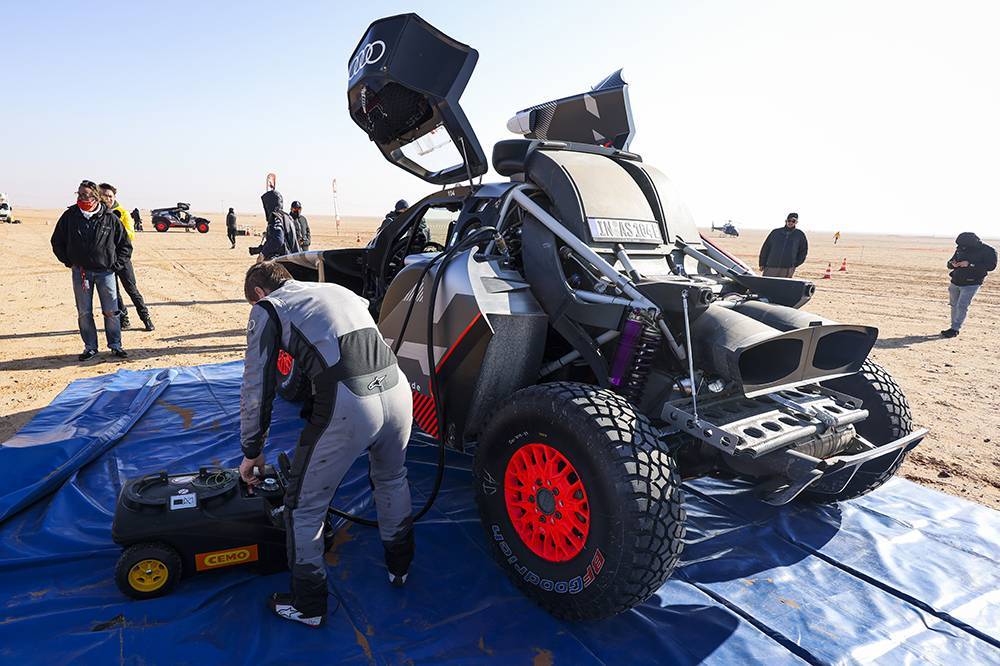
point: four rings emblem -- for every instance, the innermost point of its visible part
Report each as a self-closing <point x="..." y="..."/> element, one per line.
<point x="369" y="54"/>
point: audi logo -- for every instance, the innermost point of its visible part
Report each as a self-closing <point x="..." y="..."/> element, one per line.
<point x="369" y="54"/>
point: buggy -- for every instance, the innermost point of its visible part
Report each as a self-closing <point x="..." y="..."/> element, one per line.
<point x="572" y="327"/>
<point x="178" y="216"/>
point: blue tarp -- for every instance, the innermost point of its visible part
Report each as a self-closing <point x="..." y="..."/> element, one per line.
<point x="903" y="575"/>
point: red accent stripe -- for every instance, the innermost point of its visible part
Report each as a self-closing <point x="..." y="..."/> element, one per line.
<point x="422" y="410"/>
<point x="455" y="345"/>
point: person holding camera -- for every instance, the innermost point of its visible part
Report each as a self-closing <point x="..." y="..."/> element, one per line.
<point x="281" y="236"/>
<point x="972" y="260"/>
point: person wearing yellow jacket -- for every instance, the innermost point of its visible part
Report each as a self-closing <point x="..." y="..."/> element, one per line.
<point x="126" y="276"/>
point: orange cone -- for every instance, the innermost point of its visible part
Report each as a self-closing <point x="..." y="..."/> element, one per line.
<point x="829" y="272"/>
<point x="843" y="266"/>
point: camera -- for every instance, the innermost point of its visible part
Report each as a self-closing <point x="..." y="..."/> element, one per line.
<point x="254" y="250"/>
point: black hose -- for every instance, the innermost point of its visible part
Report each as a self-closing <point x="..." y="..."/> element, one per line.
<point x="439" y="411"/>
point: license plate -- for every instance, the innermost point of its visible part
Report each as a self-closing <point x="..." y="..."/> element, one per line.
<point x="624" y="231"/>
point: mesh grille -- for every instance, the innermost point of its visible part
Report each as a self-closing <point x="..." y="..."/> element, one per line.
<point x="390" y="113"/>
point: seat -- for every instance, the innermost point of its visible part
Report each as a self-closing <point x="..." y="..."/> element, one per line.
<point x="509" y="156"/>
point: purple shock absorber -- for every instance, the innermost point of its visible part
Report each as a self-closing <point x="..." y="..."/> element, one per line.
<point x="626" y="348"/>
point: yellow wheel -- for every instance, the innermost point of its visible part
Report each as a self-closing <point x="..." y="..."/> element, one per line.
<point x="148" y="575"/>
<point x="147" y="570"/>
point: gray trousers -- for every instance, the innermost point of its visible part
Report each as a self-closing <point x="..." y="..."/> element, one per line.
<point x="776" y="271"/>
<point x="960" y="298"/>
<point x="340" y="428"/>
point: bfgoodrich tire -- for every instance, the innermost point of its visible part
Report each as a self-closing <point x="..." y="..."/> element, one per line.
<point x="580" y="501"/>
<point x="888" y="420"/>
<point x="162" y="227"/>
<point x="292" y="383"/>
<point x="202" y="226"/>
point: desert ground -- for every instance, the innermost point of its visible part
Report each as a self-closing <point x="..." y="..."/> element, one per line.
<point x="193" y="284"/>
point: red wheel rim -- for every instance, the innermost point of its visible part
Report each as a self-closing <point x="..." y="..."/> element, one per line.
<point x="284" y="362"/>
<point x="546" y="502"/>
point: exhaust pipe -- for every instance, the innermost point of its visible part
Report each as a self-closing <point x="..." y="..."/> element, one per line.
<point x="764" y="347"/>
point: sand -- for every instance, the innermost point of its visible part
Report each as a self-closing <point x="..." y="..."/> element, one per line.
<point x="193" y="284"/>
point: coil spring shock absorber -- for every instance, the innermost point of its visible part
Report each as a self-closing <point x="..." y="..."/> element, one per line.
<point x="633" y="359"/>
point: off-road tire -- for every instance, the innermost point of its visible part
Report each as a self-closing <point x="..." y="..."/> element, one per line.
<point x="292" y="385"/>
<point x="202" y="227"/>
<point x="888" y="420"/>
<point x="636" y="514"/>
<point x="148" y="551"/>
<point x="162" y="227"/>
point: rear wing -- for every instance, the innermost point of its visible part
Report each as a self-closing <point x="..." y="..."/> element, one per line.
<point x="405" y="79"/>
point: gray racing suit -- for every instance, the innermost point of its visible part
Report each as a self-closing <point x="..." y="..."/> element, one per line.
<point x="361" y="401"/>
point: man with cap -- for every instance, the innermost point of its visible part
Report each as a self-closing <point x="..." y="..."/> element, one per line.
<point x="972" y="260"/>
<point x="784" y="250"/>
<point x="301" y="226"/>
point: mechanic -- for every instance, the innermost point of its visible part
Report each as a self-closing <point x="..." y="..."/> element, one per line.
<point x="421" y="236"/>
<point x="784" y="250"/>
<point x="301" y="226"/>
<point x="231" y="227"/>
<point x="91" y="240"/>
<point x="361" y="400"/>
<point x="126" y="275"/>
<point x="972" y="260"/>
<point x="280" y="237"/>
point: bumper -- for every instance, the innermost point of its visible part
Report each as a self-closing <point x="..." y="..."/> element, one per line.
<point x="831" y="475"/>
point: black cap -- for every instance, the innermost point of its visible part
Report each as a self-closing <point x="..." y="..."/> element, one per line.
<point x="791" y="215"/>
<point x="402" y="205"/>
<point x="296" y="204"/>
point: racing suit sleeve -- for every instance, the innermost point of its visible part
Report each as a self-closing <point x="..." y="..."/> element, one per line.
<point x="259" y="380"/>
<point x="803" y="250"/>
<point x="59" y="242"/>
<point x="274" y="241"/>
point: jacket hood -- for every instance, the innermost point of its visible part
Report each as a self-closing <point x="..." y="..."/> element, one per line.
<point x="967" y="239"/>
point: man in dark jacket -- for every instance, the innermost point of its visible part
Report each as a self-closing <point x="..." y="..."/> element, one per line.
<point x="231" y="227"/>
<point x="972" y="260"/>
<point x="784" y="250"/>
<point x="91" y="240"/>
<point x="280" y="237"/>
<point x="301" y="226"/>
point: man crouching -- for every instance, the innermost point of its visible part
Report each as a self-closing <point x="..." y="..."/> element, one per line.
<point x="361" y="401"/>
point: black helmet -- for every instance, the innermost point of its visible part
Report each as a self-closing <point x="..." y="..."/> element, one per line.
<point x="401" y="205"/>
<point x="296" y="204"/>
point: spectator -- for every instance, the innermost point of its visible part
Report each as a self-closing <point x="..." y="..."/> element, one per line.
<point x="301" y="226"/>
<point x="280" y="236"/>
<point x="784" y="250"/>
<point x="972" y="260"/>
<point x="126" y="275"/>
<point x="90" y="240"/>
<point x="231" y="227"/>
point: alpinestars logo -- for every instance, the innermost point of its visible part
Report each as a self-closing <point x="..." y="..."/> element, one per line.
<point x="369" y="54"/>
<point x="376" y="383"/>
<point x="290" y="613"/>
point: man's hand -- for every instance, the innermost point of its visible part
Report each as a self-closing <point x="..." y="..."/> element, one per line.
<point x="961" y="264"/>
<point x="246" y="469"/>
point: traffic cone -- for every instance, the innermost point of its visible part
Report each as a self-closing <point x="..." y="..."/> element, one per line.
<point x="843" y="266"/>
<point x="829" y="272"/>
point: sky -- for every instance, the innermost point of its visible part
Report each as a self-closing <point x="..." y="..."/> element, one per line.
<point x="871" y="116"/>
